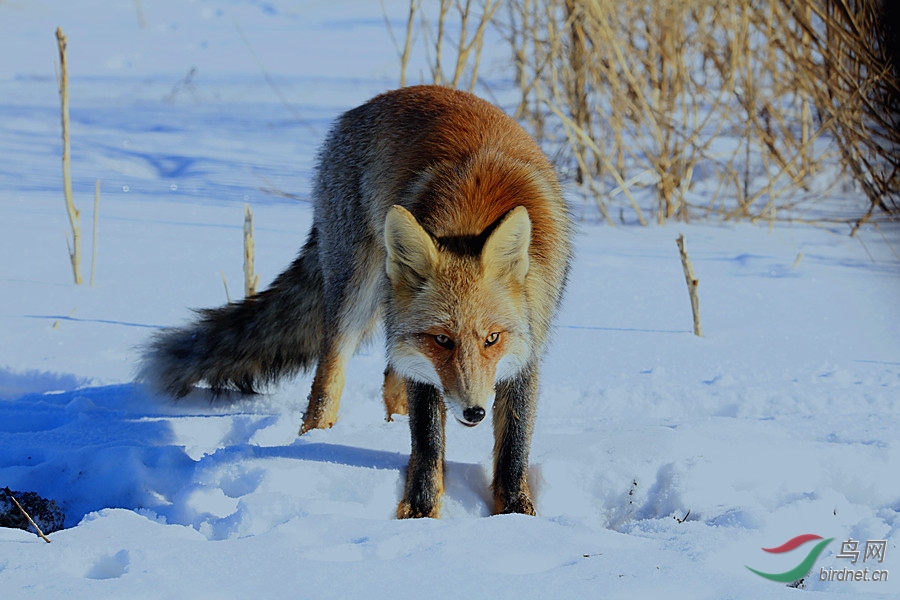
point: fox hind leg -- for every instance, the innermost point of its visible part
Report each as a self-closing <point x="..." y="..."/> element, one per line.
<point x="395" y="401"/>
<point x="328" y="383"/>
<point x="325" y="396"/>
<point x="352" y="301"/>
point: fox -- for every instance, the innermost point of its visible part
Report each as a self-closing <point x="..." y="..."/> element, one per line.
<point x="437" y="216"/>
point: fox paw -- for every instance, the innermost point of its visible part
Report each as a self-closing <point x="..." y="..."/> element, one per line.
<point x="321" y="413"/>
<point x="520" y="504"/>
<point x="311" y="422"/>
<point x="407" y="511"/>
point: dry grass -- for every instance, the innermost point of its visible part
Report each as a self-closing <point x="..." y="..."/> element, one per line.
<point x="457" y="58"/>
<point x="844" y="54"/>
<point x="251" y="279"/>
<point x="94" y="237"/>
<point x="75" y="245"/>
<point x="756" y="99"/>
<point x="692" y="284"/>
<point x="659" y="86"/>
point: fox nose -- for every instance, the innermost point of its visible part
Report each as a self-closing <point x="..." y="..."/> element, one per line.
<point x="473" y="414"/>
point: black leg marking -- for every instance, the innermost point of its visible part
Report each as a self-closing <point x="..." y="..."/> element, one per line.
<point x="425" y="475"/>
<point x="514" y="411"/>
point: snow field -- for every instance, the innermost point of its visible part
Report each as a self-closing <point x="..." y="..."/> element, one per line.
<point x="661" y="462"/>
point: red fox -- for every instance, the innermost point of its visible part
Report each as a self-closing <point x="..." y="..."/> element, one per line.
<point x="437" y="214"/>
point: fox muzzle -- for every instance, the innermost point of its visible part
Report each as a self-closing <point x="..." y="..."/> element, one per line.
<point x="472" y="416"/>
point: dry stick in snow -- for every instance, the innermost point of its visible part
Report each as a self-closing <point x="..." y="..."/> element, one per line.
<point x="692" y="283"/>
<point x="407" y="42"/>
<point x="94" y="240"/>
<point x="30" y="520"/>
<point x="75" y="249"/>
<point x="225" y="283"/>
<point x="250" y="280"/>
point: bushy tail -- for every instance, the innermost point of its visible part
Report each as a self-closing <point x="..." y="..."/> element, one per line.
<point x="241" y="345"/>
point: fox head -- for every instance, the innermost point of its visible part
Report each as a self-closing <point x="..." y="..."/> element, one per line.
<point x="458" y="320"/>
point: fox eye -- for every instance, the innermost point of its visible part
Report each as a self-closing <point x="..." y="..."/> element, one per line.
<point x="491" y="339"/>
<point x="444" y="341"/>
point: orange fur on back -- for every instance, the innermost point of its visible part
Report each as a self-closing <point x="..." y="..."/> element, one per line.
<point x="458" y="164"/>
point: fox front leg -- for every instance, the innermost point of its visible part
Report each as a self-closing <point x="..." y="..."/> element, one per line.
<point x="514" y="410"/>
<point x="425" y="475"/>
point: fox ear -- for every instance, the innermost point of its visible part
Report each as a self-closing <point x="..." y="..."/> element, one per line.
<point x="411" y="253"/>
<point x="505" y="252"/>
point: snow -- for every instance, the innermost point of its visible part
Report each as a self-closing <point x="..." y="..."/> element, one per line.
<point x="661" y="463"/>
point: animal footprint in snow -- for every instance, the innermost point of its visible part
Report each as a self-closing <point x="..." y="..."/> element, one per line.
<point x="110" y="567"/>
